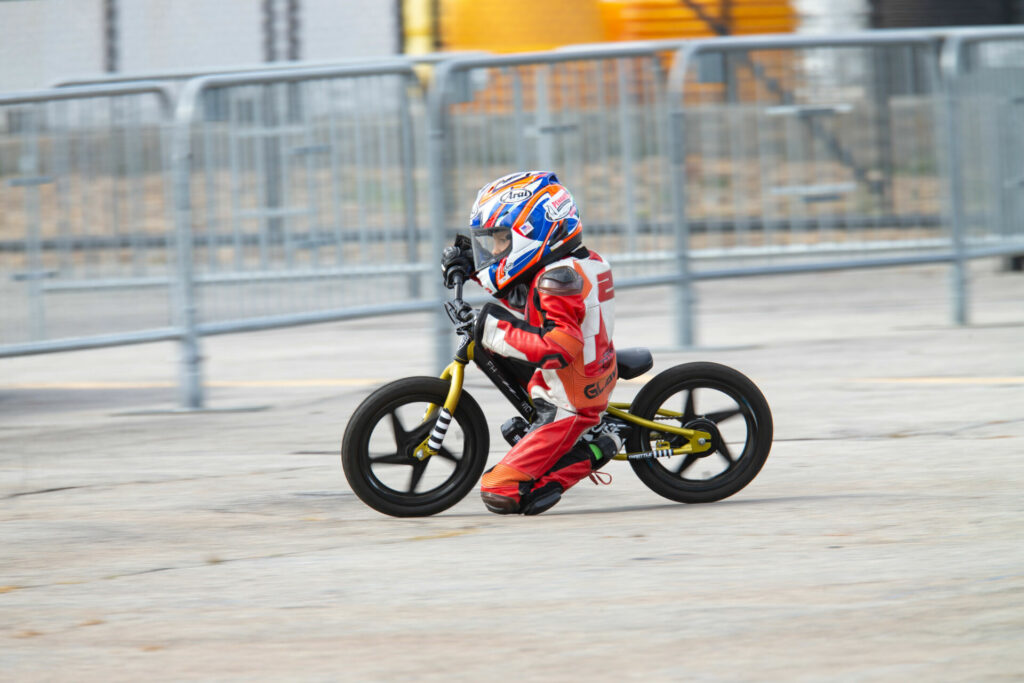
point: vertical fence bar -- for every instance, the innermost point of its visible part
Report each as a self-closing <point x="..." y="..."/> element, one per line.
<point x="958" y="227"/>
<point x="190" y="363"/>
<point x="407" y="161"/>
<point x="32" y="177"/>
<point x="627" y="146"/>
<point x="437" y="152"/>
<point x="685" y="294"/>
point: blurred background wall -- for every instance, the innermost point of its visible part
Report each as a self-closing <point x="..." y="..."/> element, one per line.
<point x="43" y="41"/>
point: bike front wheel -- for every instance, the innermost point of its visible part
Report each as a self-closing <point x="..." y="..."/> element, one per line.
<point x="709" y="397"/>
<point x="381" y="438"/>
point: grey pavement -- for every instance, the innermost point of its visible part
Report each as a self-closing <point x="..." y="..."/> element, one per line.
<point x="882" y="541"/>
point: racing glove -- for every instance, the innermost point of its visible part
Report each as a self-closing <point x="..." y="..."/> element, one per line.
<point x="456" y="259"/>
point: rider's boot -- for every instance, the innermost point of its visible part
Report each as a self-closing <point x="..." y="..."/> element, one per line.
<point x="603" y="450"/>
<point x="514" y="429"/>
<point x="611" y="426"/>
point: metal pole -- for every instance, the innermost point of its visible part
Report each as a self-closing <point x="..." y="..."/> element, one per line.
<point x="950" y="84"/>
<point x="191" y="384"/>
<point x="294" y="32"/>
<point x="30" y="167"/>
<point x="626" y="140"/>
<point x="269" y="32"/>
<point x="545" y="125"/>
<point x="407" y="160"/>
<point x="110" y="53"/>
<point x="436" y="150"/>
<point x="685" y="294"/>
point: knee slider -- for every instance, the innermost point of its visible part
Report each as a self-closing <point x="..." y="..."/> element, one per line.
<point x="498" y="504"/>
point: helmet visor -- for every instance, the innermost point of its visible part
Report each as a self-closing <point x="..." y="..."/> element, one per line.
<point x="490" y="245"/>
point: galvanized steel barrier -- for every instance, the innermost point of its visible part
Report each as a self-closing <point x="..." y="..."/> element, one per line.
<point x="175" y="77"/>
<point x="298" y="194"/>
<point x="800" y="153"/>
<point x="85" y="248"/>
<point x="295" y="197"/>
<point x="984" y="76"/>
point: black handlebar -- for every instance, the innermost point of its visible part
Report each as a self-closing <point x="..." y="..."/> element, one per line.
<point x="459" y="278"/>
<point x="461" y="314"/>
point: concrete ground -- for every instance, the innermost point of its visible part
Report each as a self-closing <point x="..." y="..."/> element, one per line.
<point x="883" y="541"/>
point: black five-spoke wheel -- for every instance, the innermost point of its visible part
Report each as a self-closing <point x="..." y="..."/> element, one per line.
<point x="712" y="398"/>
<point x="378" y="451"/>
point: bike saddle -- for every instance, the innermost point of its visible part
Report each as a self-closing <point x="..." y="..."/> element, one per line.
<point x="633" y="362"/>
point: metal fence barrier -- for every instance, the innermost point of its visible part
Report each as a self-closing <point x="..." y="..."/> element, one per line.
<point x="767" y="154"/>
<point x="176" y="79"/>
<point x="806" y="153"/>
<point x="984" y="76"/>
<point x="84" y="223"/>
<point x="295" y="197"/>
<point x="302" y="194"/>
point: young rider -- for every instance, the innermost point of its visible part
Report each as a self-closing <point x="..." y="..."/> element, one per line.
<point x="554" y="316"/>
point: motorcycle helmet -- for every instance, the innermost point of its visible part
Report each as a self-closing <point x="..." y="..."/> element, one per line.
<point x="520" y="223"/>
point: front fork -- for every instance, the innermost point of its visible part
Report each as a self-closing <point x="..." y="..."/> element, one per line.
<point x="456" y="373"/>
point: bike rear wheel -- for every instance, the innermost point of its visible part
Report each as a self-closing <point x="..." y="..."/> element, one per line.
<point x="709" y="397"/>
<point x="384" y="431"/>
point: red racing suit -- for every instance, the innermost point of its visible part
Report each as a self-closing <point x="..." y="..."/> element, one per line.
<point x="565" y="331"/>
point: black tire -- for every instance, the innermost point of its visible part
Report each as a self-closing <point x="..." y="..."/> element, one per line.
<point x="376" y="451"/>
<point x="697" y="393"/>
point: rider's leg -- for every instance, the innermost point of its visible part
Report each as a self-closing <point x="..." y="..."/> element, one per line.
<point x="503" y="485"/>
<point x="582" y="459"/>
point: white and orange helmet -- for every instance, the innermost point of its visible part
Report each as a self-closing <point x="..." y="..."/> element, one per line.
<point x="520" y="223"/>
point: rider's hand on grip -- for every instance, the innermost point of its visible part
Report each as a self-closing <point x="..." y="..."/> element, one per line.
<point x="457" y="261"/>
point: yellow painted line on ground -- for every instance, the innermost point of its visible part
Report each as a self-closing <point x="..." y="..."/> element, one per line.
<point x="323" y="382"/>
<point x="445" y="534"/>
<point x="370" y="381"/>
<point x="941" y="380"/>
<point x="88" y="385"/>
<point x="229" y="384"/>
<point x="269" y="383"/>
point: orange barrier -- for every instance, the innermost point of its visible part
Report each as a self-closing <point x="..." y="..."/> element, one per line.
<point x="531" y="25"/>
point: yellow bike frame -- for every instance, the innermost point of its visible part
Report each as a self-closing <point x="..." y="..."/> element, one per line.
<point x="696" y="441"/>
